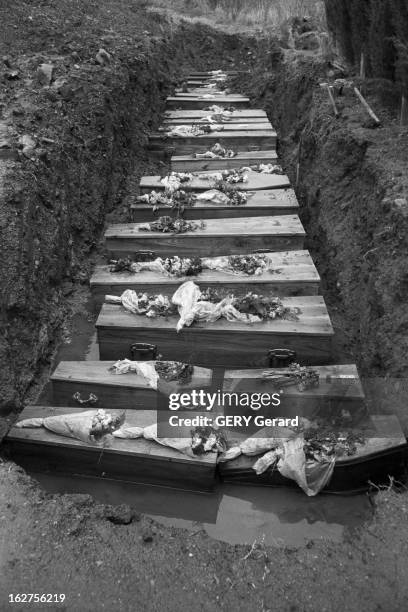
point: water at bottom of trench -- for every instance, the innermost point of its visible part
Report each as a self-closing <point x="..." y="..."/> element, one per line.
<point x="234" y="514"/>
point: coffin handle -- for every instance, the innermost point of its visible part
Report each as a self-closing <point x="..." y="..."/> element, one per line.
<point x="143" y="351"/>
<point x="281" y="357"/>
<point x="92" y="399"/>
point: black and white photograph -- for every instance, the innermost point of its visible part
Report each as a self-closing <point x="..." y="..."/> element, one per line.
<point x="204" y="305"/>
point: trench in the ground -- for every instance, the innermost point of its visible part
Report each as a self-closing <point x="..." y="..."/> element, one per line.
<point x="236" y="514"/>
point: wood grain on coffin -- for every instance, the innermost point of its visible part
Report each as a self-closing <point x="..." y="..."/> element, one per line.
<point x="129" y="391"/>
<point x="254" y="122"/>
<point x="295" y="275"/>
<point x="212" y="73"/>
<point x="227" y="128"/>
<point x="198" y="92"/>
<point x="327" y="399"/>
<point x="238" y="141"/>
<point x="188" y="163"/>
<point x="218" y="237"/>
<point x="383" y="454"/>
<point x="259" y="204"/>
<point x="222" y="343"/>
<point x="139" y="461"/>
<point x="256" y="181"/>
<point x="240" y="114"/>
<point x="175" y="102"/>
<point x="347" y="389"/>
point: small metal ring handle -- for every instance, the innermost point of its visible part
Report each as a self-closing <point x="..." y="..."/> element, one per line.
<point x="92" y="399"/>
<point x="140" y="256"/>
<point x="281" y="357"/>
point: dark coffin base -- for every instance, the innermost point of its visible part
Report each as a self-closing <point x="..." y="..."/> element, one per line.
<point x="84" y="462"/>
<point x="214" y="349"/>
<point x="108" y="396"/>
<point x="353" y="476"/>
<point x="201" y="245"/>
<point x="144" y="214"/>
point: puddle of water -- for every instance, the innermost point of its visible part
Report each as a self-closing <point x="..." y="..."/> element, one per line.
<point x="83" y="345"/>
<point x="234" y="514"/>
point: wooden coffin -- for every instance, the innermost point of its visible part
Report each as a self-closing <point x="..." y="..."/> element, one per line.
<point x="208" y="76"/>
<point x="270" y="203"/>
<point x="203" y="181"/>
<point x="130" y="390"/>
<point x="213" y="73"/>
<point x="384" y="455"/>
<point x="137" y="461"/>
<point x="253" y="122"/>
<point x="240" y="114"/>
<point x="239" y="140"/>
<point x="295" y="275"/>
<point x="189" y="102"/>
<point x="223" y="343"/>
<point x="217" y="237"/>
<point x="227" y="127"/>
<point x="339" y="388"/>
<point x="204" y="90"/>
<point x="204" y="81"/>
<point x="189" y="163"/>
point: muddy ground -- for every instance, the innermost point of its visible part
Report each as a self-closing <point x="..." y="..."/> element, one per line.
<point x="53" y="205"/>
<point x="69" y="544"/>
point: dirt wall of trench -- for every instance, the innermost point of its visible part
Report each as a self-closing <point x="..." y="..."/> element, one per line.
<point x="353" y="189"/>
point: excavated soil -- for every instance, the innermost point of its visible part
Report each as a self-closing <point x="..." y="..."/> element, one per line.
<point x="353" y="188"/>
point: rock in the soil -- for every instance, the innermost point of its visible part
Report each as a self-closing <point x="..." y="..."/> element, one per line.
<point x="18" y="111"/>
<point x="44" y="74"/>
<point x="27" y="144"/>
<point x="63" y="88"/>
<point x="58" y="83"/>
<point x="401" y="205"/>
<point x="121" y="515"/>
<point x="5" y="144"/>
<point x="147" y="538"/>
<point x="11" y="75"/>
<point x="103" y="57"/>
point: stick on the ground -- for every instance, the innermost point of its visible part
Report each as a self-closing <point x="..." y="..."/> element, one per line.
<point x="362" y="66"/>
<point x="331" y="97"/>
<point x="298" y="161"/>
<point x="404" y="113"/>
<point x="332" y="100"/>
<point x="367" y="106"/>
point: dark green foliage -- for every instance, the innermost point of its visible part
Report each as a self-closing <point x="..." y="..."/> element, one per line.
<point x="377" y="28"/>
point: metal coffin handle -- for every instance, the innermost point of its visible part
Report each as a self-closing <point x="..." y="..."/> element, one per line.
<point x="92" y="399"/>
<point x="144" y="256"/>
<point x="143" y="351"/>
<point x="280" y="358"/>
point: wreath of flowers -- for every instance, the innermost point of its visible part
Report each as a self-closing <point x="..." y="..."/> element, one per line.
<point x="236" y="197"/>
<point x="322" y="442"/>
<point x="182" y="266"/>
<point x="248" y="264"/>
<point x="174" y="371"/>
<point x="178" y="200"/>
<point x="261" y="306"/>
<point x="169" y="225"/>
